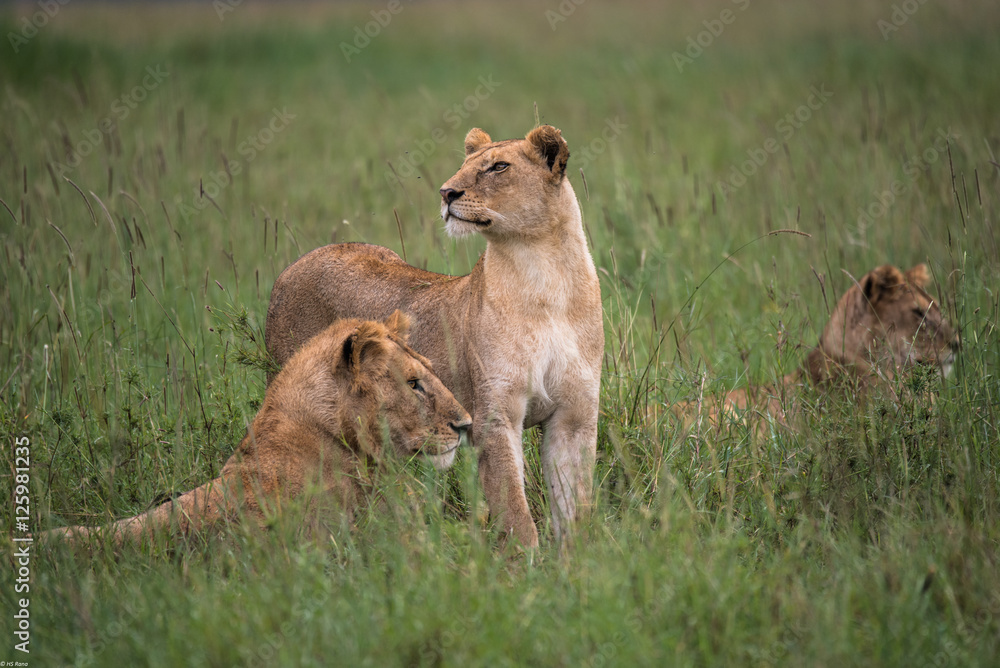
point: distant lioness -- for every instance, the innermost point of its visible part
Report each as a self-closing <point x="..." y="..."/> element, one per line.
<point x="321" y="421"/>
<point x="883" y="324"/>
<point x="519" y="340"/>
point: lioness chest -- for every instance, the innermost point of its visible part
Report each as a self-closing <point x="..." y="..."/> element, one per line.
<point x="558" y="366"/>
<point x="545" y="363"/>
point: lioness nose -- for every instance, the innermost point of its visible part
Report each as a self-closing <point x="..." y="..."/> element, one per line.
<point x="449" y="195"/>
<point x="461" y="426"/>
<point x="956" y="343"/>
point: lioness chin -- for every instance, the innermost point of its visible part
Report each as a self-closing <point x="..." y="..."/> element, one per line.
<point x="519" y="340"/>
<point x="883" y="325"/>
<point x="321" y="422"/>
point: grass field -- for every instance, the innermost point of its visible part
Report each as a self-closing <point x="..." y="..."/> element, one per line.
<point x="160" y="165"/>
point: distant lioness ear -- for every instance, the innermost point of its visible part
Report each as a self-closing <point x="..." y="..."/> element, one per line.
<point x="879" y="281"/>
<point x="399" y="324"/>
<point x="475" y="140"/>
<point x="918" y="276"/>
<point x="551" y="146"/>
<point x="364" y="353"/>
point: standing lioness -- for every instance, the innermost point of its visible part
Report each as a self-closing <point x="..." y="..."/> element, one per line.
<point x="519" y="340"/>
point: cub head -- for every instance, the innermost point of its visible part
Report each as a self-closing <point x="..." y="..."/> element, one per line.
<point x="512" y="188"/>
<point x="396" y="394"/>
<point x="887" y="320"/>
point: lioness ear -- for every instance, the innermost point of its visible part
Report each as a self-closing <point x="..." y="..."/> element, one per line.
<point x="879" y="281"/>
<point x="363" y="353"/>
<point x="475" y="140"/>
<point x="918" y="276"/>
<point x="551" y="146"/>
<point x="399" y="324"/>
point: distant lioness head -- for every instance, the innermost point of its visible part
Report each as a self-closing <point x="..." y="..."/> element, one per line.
<point x="884" y="323"/>
<point x="504" y="188"/>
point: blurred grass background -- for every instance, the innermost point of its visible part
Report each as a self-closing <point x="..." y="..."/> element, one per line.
<point x="136" y="271"/>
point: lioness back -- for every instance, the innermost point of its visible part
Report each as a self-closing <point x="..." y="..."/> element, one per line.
<point x="333" y="282"/>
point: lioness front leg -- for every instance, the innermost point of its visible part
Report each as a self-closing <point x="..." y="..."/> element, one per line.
<point x="501" y="473"/>
<point x="568" y="452"/>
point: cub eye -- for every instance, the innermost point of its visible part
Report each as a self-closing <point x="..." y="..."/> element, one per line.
<point x="498" y="167"/>
<point x="415" y="385"/>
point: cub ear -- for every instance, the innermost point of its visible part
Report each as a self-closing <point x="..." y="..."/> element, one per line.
<point x="398" y="324"/>
<point x="880" y="281"/>
<point x="918" y="276"/>
<point x="551" y="146"/>
<point x="363" y="353"/>
<point x="475" y="140"/>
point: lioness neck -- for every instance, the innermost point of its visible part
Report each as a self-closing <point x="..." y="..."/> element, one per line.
<point x="553" y="269"/>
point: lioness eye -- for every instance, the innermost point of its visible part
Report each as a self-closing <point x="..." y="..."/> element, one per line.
<point x="918" y="311"/>
<point x="415" y="385"/>
<point x="498" y="167"/>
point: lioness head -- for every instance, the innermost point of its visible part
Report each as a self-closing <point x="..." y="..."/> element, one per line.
<point x="886" y="320"/>
<point x="504" y="188"/>
<point x="391" y="391"/>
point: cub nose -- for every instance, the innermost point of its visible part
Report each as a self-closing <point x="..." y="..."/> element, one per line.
<point x="956" y="343"/>
<point x="449" y="195"/>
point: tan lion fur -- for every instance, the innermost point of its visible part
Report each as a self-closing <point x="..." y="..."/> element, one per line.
<point x="883" y="324"/>
<point x="519" y="340"/>
<point x="321" y="421"/>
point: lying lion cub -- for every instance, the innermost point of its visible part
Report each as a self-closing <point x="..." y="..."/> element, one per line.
<point x="519" y="340"/>
<point x="321" y="420"/>
<point x="882" y="325"/>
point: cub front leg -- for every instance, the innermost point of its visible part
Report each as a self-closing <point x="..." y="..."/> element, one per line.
<point x="569" y="448"/>
<point x="501" y="473"/>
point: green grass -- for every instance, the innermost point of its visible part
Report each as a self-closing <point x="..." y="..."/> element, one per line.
<point x="131" y="308"/>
